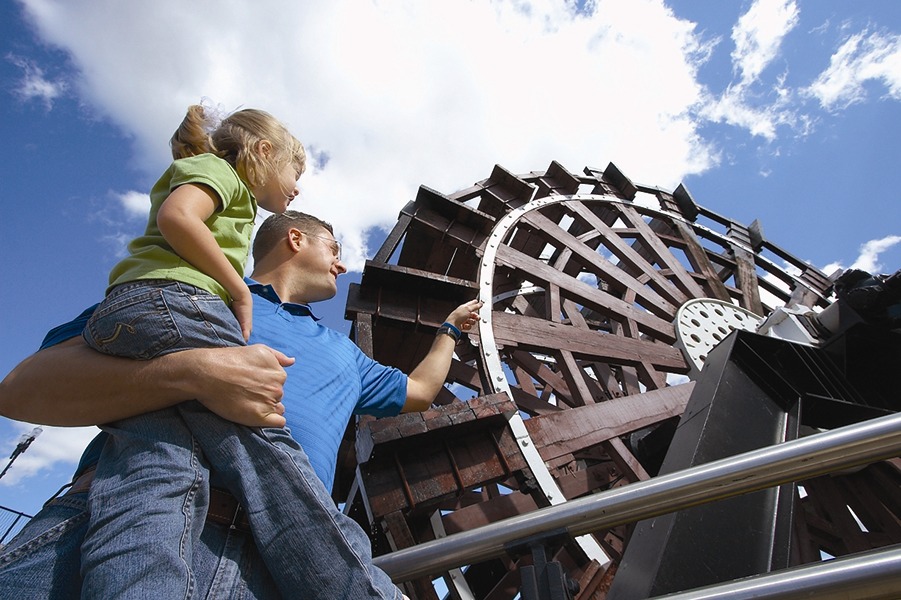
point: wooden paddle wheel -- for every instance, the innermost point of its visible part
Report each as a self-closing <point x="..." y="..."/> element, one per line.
<point x="574" y="381"/>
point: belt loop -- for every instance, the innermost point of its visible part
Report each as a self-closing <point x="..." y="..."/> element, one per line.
<point x="82" y="483"/>
<point x="237" y="513"/>
<point x="225" y="510"/>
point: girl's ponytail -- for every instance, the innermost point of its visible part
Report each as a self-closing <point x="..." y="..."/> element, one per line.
<point x="192" y="137"/>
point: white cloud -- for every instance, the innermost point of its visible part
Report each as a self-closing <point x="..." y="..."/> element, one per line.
<point x="832" y="268"/>
<point x="135" y="204"/>
<point x="396" y="94"/>
<point x="762" y="105"/>
<point x="54" y="446"/>
<point x="869" y="254"/>
<point x="35" y="85"/>
<point x="735" y="108"/>
<point x="758" y="36"/>
<point x="868" y="259"/>
<point x="863" y="57"/>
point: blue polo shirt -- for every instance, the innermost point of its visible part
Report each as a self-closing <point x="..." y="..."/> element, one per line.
<point x="330" y="381"/>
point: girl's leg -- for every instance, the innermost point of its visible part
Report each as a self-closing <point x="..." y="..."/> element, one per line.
<point x="311" y="549"/>
<point x="147" y="505"/>
<point x="149" y="498"/>
<point x="306" y="542"/>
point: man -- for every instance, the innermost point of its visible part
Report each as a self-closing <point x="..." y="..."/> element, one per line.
<point x="297" y="262"/>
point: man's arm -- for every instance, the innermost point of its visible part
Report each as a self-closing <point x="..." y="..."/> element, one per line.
<point x="71" y="385"/>
<point x="428" y="377"/>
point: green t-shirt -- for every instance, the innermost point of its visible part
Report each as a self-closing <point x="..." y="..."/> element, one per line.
<point x="151" y="257"/>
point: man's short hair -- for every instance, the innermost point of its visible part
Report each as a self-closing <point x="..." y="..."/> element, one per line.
<point x="273" y="230"/>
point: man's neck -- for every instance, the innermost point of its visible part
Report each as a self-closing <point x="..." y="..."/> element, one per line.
<point x="282" y="286"/>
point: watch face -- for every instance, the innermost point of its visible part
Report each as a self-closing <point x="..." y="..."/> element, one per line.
<point x="447" y="330"/>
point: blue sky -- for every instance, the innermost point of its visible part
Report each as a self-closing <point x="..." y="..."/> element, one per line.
<point x="786" y="111"/>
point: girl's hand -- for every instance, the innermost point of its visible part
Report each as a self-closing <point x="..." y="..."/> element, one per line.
<point x="242" y="307"/>
<point x="466" y="315"/>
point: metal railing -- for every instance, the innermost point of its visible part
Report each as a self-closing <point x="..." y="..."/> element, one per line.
<point x="11" y="522"/>
<point x="867" y="575"/>
<point x="819" y="454"/>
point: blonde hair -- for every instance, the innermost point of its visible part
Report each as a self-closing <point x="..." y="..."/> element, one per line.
<point x="236" y="140"/>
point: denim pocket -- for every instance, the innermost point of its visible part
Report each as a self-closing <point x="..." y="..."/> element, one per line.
<point x="133" y="322"/>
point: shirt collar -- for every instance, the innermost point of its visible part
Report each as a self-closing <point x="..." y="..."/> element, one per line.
<point x="268" y="292"/>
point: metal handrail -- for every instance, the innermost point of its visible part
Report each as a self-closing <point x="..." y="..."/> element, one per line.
<point x="872" y="575"/>
<point x="850" y="446"/>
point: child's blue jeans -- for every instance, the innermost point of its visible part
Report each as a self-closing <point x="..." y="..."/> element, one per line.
<point x="149" y="499"/>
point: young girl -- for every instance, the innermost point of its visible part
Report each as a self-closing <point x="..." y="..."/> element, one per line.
<point x="201" y="220"/>
<point x="181" y="287"/>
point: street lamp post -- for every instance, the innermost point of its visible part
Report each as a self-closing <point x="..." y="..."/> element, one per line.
<point x="23" y="444"/>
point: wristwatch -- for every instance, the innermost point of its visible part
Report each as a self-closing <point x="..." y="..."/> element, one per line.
<point x="448" y="329"/>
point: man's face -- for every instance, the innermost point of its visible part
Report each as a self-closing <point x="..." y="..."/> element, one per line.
<point x="320" y="265"/>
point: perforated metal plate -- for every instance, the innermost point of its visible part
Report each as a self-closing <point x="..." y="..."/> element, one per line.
<point x="702" y="323"/>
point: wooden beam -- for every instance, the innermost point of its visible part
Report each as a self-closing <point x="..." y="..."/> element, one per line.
<point x="658" y="299"/>
<point x="625" y="460"/>
<point x="700" y="260"/>
<point x="662" y="253"/>
<point x="604" y="303"/>
<point x="571" y="430"/>
<point x="638" y="262"/>
<point x="484" y="513"/>
<point x="746" y="274"/>
<point x="397" y="233"/>
<point x="540" y="371"/>
<point x="538" y="334"/>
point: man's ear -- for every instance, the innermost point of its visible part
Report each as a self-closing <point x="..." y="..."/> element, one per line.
<point x="294" y="238"/>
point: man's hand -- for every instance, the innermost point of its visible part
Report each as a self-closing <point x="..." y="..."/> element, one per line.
<point x="424" y="383"/>
<point x="466" y="315"/>
<point x="246" y="386"/>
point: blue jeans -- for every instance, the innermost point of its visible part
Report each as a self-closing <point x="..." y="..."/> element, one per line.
<point x="150" y="495"/>
<point x="43" y="560"/>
